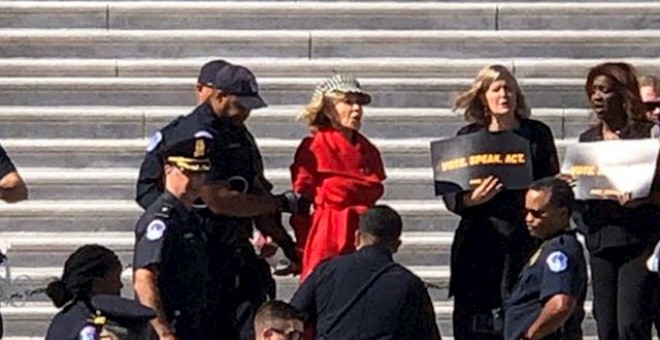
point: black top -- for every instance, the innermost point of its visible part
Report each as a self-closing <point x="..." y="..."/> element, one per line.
<point x="396" y="306"/>
<point x="558" y="267"/>
<point x="72" y="322"/>
<point x="491" y="232"/>
<point x="6" y="165"/>
<point x="608" y="225"/>
<point x="170" y="237"/>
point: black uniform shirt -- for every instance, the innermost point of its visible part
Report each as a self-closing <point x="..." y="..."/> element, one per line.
<point x="70" y="322"/>
<point x="150" y="181"/>
<point x="558" y="267"/>
<point x="233" y="160"/>
<point x="170" y="237"/>
<point x="6" y="166"/>
<point x="396" y="306"/>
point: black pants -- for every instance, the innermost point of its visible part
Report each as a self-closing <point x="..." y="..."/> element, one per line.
<point x="623" y="293"/>
<point x="464" y="314"/>
<point x="240" y="283"/>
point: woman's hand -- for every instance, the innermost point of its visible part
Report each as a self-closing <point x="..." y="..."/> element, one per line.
<point x="488" y="188"/>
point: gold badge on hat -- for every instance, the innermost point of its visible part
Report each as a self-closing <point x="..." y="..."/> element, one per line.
<point x="200" y="146"/>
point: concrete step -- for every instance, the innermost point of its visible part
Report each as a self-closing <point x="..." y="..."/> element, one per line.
<point x="278" y="153"/>
<point x="314" y="44"/>
<point x="386" y="92"/>
<point x="50" y="249"/>
<point x="271" y="122"/>
<point x="121" y="215"/>
<point x="328" y="15"/>
<point x="119" y="183"/>
<point x="381" y="67"/>
<point x="37" y="315"/>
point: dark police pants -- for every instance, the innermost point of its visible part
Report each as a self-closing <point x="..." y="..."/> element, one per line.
<point x="240" y="283"/>
<point x="623" y="292"/>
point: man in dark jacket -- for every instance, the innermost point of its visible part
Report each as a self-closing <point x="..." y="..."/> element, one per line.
<point x="365" y="295"/>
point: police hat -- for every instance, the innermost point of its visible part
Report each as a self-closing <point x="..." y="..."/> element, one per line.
<point x="241" y="82"/>
<point x="209" y="70"/>
<point x="189" y="152"/>
<point x="122" y="318"/>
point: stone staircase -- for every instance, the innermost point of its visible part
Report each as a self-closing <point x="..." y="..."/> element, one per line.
<point x="83" y="83"/>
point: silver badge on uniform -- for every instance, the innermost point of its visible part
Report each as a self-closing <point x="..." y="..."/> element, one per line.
<point x="557" y="261"/>
<point x="154" y="140"/>
<point x="155" y="230"/>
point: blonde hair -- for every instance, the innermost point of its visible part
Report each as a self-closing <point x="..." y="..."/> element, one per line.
<point x="474" y="103"/>
<point x="313" y="113"/>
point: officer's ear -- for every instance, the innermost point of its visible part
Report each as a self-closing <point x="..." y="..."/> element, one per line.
<point x="168" y="168"/>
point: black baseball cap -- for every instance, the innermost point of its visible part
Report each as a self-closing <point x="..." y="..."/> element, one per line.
<point x="241" y="82"/>
<point x="209" y="70"/>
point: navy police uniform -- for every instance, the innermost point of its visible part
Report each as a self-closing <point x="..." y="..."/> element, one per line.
<point x="170" y="237"/>
<point x="557" y="267"/>
<point x="396" y="305"/>
<point x="104" y="315"/>
<point x="240" y="281"/>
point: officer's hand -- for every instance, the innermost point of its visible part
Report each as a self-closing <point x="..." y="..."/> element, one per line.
<point x="168" y="337"/>
<point x="293" y="203"/>
<point x="490" y="187"/>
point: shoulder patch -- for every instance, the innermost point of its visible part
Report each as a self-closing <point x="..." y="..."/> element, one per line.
<point x="557" y="261"/>
<point x="155" y="230"/>
<point x="154" y="140"/>
<point x="87" y="333"/>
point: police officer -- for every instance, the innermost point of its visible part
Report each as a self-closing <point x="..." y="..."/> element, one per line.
<point x="548" y="300"/>
<point x="170" y="264"/>
<point x="240" y="281"/>
<point x="89" y="271"/>
<point x="116" y="318"/>
<point x="365" y="295"/>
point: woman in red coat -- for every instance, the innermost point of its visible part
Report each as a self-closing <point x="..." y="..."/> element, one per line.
<point x="337" y="169"/>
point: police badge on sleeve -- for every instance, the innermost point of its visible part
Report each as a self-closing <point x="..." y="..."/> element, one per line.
<point x="557" y="261"/>
<point x="155" y="230"/>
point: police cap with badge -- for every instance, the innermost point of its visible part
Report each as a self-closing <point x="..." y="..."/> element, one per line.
<point x="117" y="318"/>
<point x="188" y="152"/>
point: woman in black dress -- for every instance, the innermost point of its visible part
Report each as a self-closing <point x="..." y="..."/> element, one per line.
<point x="491" y="243"/>
<point x="620" y="235"/>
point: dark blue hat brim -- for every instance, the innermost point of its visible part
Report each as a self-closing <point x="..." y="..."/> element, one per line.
<point x="251" y="102"/>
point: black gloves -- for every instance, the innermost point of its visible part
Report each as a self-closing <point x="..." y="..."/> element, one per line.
<point x="293" y="203"/>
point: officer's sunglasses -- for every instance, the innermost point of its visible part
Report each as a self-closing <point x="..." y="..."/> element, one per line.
<point x="536" y="213"/>
<point x="290" y="334"/>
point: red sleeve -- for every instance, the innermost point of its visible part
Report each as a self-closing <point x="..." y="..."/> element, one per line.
<point x="303" y="170"/>
<point x="303" y="178"/>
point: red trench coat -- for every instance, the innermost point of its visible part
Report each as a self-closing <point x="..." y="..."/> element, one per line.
<point x="343" y="179"/>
